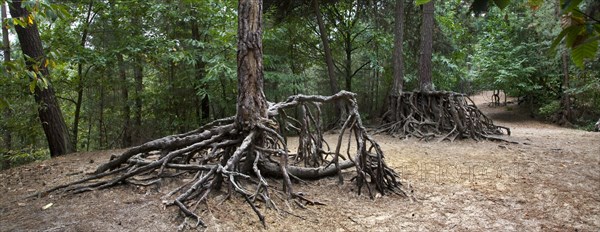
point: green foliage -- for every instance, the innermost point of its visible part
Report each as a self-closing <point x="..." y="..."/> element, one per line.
<point x="501" y="3"/>
<point x="505" y="56"/>
<point x="587" y="125"/>
<point x="580" y="35"/>
<point x="421" y="2"/>
<point x="508" y="50"/>
<point x="3" y="104"/>
<point x="580" y="31"/>
<point x="584" y="51"/>
<point x="550" y="109"/>
<point x="14" y="158"/>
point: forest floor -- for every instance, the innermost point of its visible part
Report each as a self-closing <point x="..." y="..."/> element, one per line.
<point x="549" y="181"/>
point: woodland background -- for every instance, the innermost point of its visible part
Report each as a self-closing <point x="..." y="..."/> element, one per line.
<point x="125" y="72"/>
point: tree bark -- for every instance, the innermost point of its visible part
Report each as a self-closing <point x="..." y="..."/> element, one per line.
<point x="398" y="56"/>
<point x="426" y="48"/>
<point x="565" y="98"/>
<point x="101" y="134"/>
<point x="77" y="115"/>
<point x="138" y="75"/>
<point x="333" y="85"/>
<point x="251" y="101"/>
<point x="49" y="111"/>
<point x="127" y="141"/>
<point x="391" y="114"/>
<point x="200" y="72"/>
<point x="6" y="49"/>
<point x="348" y="51"/>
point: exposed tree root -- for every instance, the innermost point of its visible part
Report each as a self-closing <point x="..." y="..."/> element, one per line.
<point x="445" y="115"/>
<point x="221" y="154"/>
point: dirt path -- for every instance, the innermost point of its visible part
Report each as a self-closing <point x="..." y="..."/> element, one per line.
<point x="550" y="181"/>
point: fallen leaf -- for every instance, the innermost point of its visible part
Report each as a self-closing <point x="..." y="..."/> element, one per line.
<point x="21" y="204"/>
<point x="47" y="206"/>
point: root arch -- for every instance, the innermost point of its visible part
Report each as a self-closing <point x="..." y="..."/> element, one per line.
<point x="441" y="114"/>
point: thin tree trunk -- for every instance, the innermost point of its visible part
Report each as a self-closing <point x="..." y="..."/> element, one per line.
<point x="291" y="62"/>
<point x="7" y="136"/>
<point x="138" y="74"/>
<point x="333" y="85"/>
<point x="251" y="101"/>
<point x="6" y="49"/>
<point x="566" y="99"/>
<point x="101" y="133"/>
<point x="49" y="111"/>
<point x="348" y="68"/>
<point x="397" y="64"/>
<point x="89" y="133"/>
<point x="127" y="141"/>
<point x="426" y="48"/>
<point x="77" y="115"/>
<point x="398" y="56"/>
<point x="200" y="72"/>
<point x="171" y="98"/>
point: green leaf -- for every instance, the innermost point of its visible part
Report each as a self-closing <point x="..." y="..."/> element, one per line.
<point x="61" y="11"/>
<point x="569" y="5"/>
<point x="563" y="33"/>
<point x="3" y="103"/>
<point x="573" y="36"/>
<point x="584" y="51"/>
<point x="501" y="3"/>
<point x="31" y="74"/>
<point x="421" y="2"/>
<point x="32" y="85"/>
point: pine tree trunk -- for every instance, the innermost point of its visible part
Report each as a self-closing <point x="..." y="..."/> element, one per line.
<point x="251" y="102"/>
<point x="565" y="98"/>
<point x="80" y="79"/>
<point x="348" y="51"/>
<point x="6" y="49"/>
<point x="398" y="56"/>
<point x="101" y="131"/>
<point x="49" y="111"/>
<point x="333" y="85"/>
<point x="127" y="141"/>
<point x="426" y="48"/>
<point x="393" y="98"/>
<point x="565" y="115"/>
<point x="78" y="103"/>
<point x="138" y="75"/>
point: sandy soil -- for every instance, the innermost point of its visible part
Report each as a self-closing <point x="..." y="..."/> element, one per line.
<point x="550" y="181"/>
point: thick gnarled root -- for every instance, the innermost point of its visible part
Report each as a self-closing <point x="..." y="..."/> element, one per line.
<point x="445" y="115"/>
<point x="221" y="154"/>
